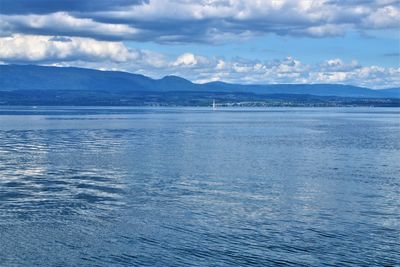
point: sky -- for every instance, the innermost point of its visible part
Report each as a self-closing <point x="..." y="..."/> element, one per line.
<point x="240" y="41"/>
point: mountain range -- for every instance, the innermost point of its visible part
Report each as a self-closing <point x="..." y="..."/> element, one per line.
<point x="47" y="80"/>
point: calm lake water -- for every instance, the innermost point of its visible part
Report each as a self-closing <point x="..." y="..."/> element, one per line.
<point x="193" y="187"/>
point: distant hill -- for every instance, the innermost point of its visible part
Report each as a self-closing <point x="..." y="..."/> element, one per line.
<point x="18" y="78"/>
<point x="31" y="77"/>
<point x="308" y="89"/>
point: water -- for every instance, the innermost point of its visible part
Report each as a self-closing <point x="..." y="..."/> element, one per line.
<point x="192" y="187"/>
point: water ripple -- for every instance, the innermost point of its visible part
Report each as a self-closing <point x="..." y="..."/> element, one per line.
<point x="190" y="187"/>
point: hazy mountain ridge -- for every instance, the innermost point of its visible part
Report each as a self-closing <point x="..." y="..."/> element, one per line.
<point x="32" y="77"/>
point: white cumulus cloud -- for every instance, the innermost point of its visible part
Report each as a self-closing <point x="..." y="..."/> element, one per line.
<point x="33" y="48"/>
<point x="112" y="55"/>
<point x="206" y="21"/>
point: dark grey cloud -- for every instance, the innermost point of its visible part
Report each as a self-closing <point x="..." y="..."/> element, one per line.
<point x="196" y="21"/>
<point x="60" y="39"/>
<point x="15" y="7"/>
<point x="364" y="2"/>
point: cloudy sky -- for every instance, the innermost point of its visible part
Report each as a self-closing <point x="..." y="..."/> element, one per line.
<point x="247" y="41"/>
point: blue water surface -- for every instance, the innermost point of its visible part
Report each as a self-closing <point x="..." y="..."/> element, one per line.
<point x="103" y="186"/>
